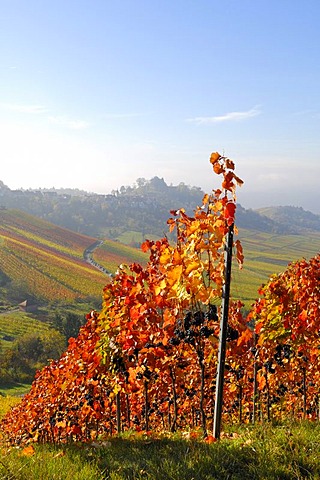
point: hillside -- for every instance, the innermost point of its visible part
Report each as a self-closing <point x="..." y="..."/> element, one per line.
<point x="131" y="214"/>
<point x="41" y="261"/>
<point x="45" y="262"/>
<point x="292" y="218"/>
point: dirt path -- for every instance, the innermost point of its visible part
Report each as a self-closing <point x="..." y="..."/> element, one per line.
<point x="88" y="256"/>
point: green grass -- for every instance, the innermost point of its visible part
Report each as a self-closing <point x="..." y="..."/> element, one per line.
<point x="13" y="390"/>
<point x="8" y="400"/>
<point x="136" y="237"/>
<point x="263" y="452"/>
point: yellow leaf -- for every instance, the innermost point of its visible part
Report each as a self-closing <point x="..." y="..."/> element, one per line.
<point x="191" y="266"/>
<point x="158" y="288"/>
<point x="61" y="424"/>
<point x="173" y="275"/>
<point x="116" y="389"/>
<point x="165" y="256"/>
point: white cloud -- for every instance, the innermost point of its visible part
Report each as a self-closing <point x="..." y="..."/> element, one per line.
<point x="112" y="116"/>
<point x="24" y="108"/>
<point x="61" y="120"/>
<point x="228" y="117"/>
<point x="69" y="123"/>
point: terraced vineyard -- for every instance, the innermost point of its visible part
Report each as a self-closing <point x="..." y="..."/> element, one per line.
<point x="47" y="259"/>
<point x="111" y="254"/>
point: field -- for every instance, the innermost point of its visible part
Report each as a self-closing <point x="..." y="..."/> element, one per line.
<point x="266" y="254"/>
<point x="48" y="260"/>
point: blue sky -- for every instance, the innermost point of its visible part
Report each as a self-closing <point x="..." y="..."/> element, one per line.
<point x="96" y="93"/>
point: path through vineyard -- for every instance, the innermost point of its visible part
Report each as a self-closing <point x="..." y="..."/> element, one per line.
<point x="88" y="256"/>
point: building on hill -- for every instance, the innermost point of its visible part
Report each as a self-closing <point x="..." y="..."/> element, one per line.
<point x="26" y="306"/>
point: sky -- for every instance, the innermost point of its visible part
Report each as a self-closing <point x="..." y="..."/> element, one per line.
<point x="95" y="94"/>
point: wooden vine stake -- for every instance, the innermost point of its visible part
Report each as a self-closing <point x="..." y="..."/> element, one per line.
<point x="223" y="334"/>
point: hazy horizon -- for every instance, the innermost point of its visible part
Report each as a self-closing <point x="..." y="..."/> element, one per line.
<point x="247" y="205"/>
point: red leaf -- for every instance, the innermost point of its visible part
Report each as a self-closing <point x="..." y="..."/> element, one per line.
<point x="229" y="212"/>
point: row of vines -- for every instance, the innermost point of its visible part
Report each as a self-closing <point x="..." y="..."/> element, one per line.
<point x="111" y="254"/>
<point x="42" y="233"/>
<point x="148" y="360"/>
<point x="48" y="274"/>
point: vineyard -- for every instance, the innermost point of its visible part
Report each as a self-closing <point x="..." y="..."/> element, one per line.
<point x="148" y="360"/>
<point x="265" y="255"/>
<point x="15" y="325"/>
<point x="111" y="254"/>
<point x="47" y="259"/>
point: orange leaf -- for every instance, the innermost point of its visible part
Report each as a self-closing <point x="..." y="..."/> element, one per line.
<point x="214" y="157"/>
<point x="239" y="251"/>
<point x="245" y="337"/>
<point x="238" y="180"/>
<point x="28" y="451"/>
<point x="145" y="246"/>
<point x="210" y="439"/>
<point x="303" y="315"/>
<point x="228" y="181"/>
<point x="217" y="168"/>
<point x="262" y="382"/>
<point x="205" y="199"/>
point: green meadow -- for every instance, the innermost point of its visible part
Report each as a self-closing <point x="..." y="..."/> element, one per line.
<point x="266" y="254"/>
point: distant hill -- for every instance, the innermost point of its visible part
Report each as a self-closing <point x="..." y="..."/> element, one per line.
<point x="133" y="213"/>
<point x="294" y="219"/>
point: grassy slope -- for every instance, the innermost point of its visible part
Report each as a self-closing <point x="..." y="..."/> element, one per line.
<point x="266" y="254"/>
<point x="251" y="453"/>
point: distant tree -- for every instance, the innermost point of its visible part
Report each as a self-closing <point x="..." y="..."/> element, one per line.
<point x="68" y="325"/>
<point x="30" y="353"/>
<point x="141" y="182"/>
